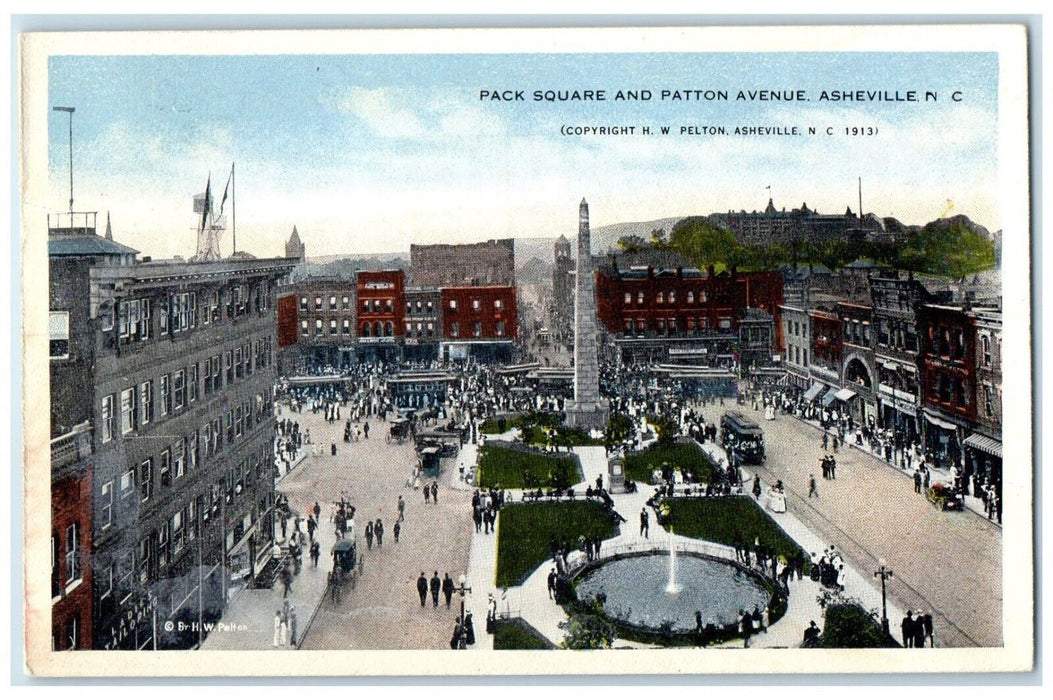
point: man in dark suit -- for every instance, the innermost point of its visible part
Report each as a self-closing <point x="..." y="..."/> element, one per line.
<point x="436" y="586"/>
<point x="422" y="589"/>
<point x="907" y="629"/>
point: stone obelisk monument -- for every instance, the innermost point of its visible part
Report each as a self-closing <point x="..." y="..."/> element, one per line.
<point x="587" y="410"/>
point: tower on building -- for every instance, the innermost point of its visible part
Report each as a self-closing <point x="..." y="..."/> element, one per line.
<point x="294" y="247"/>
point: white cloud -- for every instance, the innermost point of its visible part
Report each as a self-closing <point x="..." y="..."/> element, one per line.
<point x="378" y="109"/>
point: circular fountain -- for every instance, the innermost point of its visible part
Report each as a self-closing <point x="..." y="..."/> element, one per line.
<point x="660" y="592"/>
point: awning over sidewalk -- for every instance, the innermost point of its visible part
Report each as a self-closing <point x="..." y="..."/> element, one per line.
<point x="813" y="391"/>
<point x="985" y="444"/>
<point x="830" y="397"/>
<point x="939" y="422"/>
<point x="844" y="395"/>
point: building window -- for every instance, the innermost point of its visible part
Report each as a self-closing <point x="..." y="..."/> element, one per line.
<point x="105" y="579"/>
<point x="318" y="326"/>
<point x="303" y="303"/>
<point x="453" y="304"/>
<point x="639" y="298"/>
<point x="166" y="395"/>
<point x="660" y="298"/>
<point x="389" y="328"/>
<point x="725" y="323"/>
<point x="499" y="304"/>
<point x="429" y="307"/>
<point x="332" y="327"/>
<point x="127" y="482"/>
<point x="318" y="303"/>
<point x="107" y="418"/>
<point x="146" y="480"/>
<point x="628" y="298"/>
<point x="72" y="554"/>
<point x="478" y="329"/>
<point x="179" y="456"/>
<point x="346" y="327"/>
<point x="672" y="297"/>
<point x="146" y="402"/>
<point x="332" y="303"/>
<point x="985" y="350"/>
<point x="431" y="329"/>
<point x="166" y="468"/>
<point x="304" y="329"/>
<point x="500" y="328"/>
<point x="346" y="302"/>
<point x="366" y="330"/>
<point x="455" y="330"/>
<point x="58" y="334"/>
<point x="127" y="411"/>
<point x="690" y="297"/>
<point x="179" y="388"/>
<point x="106" y="506"/>
<point x="192" y="383"/>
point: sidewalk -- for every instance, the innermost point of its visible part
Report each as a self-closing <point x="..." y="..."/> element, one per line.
<point x="248" y="623"/>
<point x="972" y="503"/>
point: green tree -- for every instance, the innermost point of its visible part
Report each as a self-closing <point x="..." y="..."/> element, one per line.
<point x="588" y="627"/>
<point x="631" y="243"/>
<point x="703" y="243"/>
<point x="947" y="247"/>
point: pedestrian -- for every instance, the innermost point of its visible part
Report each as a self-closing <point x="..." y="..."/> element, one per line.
<point x="436" y="586"/>
<point x="756" y="487"/>
<point x="427" y="494"/>
<point x="333" y="449"/>
<point x="312" y="525"/>
<point x="552" y="584"/>
<point x="435" y="492"/>
<point x="277" y="627"/>
<point x="402" y="508"/>
<point x="285" y="526"/>
<point x="745" y="627"/>
<point x="917" y="481"/>
<point x="317" y="512"/>
<point x="422" y="589"/>
<point x="378" y="532"/>
<point x="447" y="588"/>
<point x="907" y="630"/>
<point x="926" y="623"/>
<point x="287" y="577"/>
<point x="365" y="429"/>
<point x="811" y="486"/>
<point x="398" y="529"/>
<point x="292" y="625"/>
<point x="644" y="523"/>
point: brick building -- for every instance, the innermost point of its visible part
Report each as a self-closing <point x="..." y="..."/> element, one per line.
<point x="479" y="323"/>
<point x="424" y="331"/>
<point x="654" y="315"/>
<point x="71" y="551"/>
<point x="381" y="314"/>
<point x="857" y="372"/>
<point x="948" y="380"/>
<point x="170" y="364"/>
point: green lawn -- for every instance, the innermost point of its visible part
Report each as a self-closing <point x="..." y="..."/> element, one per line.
<point x="492" y="426"/>
<point x="507" y="468"/>
<point x="518" y="634"/>
<point x="727" y="519"/>
<point x="687" y="456"/>
<point x="525" y="530"/>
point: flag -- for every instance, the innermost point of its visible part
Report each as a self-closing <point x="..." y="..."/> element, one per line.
<point x="226" y="189"/>
<point x="768" y="187"/>
<point x="206" y="208"/>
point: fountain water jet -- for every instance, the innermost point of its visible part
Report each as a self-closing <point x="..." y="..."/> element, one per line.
<point x="672" y="588"/>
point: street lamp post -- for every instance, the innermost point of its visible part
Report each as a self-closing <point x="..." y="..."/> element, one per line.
<point x="462" y="589"/>
<point x="69" y="111"/>
<point x="884" y="573"/>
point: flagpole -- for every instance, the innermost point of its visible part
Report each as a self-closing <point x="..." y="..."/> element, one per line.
<point x="233" y="209"/>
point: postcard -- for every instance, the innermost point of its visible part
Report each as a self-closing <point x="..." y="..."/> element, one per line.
<point x="453" y="351"/>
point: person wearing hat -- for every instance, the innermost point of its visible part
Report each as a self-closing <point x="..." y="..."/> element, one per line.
<point x="907" y="629"/>
<point x="811" y="635"/>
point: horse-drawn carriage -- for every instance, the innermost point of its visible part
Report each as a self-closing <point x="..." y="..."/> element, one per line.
<point x="399" y="431"/>
<point x="347" y="567"/>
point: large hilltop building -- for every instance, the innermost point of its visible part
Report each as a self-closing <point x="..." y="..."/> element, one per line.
<point x="802" y="224"/>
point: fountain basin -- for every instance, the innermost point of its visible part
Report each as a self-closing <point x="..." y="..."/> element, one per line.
<point x="635" y="588"/>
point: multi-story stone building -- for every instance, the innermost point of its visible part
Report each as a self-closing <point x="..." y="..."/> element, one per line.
<point x="896" y="301"/>
<point x="983" y="448"/>
<point x="798" y="338"/>
<point x="857" y="373"/>
<point x="562" y="316"/>
<point x="170" y="364"/>
<point x="797" y="225"/>
<point x="490" y="263"/>
<point x="324" y="317"/>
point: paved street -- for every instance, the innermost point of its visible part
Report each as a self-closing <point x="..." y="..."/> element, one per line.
<point x="945" y="562"/>
<point x="383" y="611"/>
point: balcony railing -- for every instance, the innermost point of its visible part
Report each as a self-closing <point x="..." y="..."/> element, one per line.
<point x="74" y="445"/>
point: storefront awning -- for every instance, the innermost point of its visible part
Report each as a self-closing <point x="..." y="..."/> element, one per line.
<point x="985" y="444"/>
<point x="813" y="391"/>
<point x="939" y="422"/>
<point x="844" y="395"/>
<point x="830" y="397"/>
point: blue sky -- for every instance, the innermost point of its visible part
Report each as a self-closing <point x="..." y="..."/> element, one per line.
<point x="370" y="153"/>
